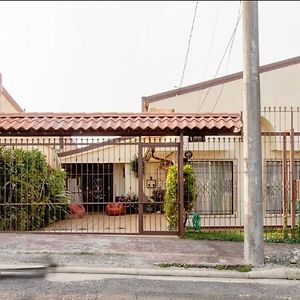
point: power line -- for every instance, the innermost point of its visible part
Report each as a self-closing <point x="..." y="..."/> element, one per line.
<point x="211" y="42"/>
<point x="189" y="44"/>
<point x="224" y="54"/>
<point x="229" y="55"/>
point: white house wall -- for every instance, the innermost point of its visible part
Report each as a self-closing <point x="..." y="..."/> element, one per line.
<point x="104" y="154"/>
<point x="119" y="180"/>
<point x="279" y="88"/>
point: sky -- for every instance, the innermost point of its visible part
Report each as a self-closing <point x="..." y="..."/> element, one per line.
<point x="104" y="56"/>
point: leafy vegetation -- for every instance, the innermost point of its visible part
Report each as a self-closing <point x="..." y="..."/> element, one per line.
<point x="171" y="203"/>
<point x="270" y="235"/>
<point x="32" y="194"/>
<point x="238" y="268"/>
<point x="234" y="236"/>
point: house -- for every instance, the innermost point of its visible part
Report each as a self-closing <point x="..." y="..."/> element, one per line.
<point x="218" y="162"/>
<point x="199" y="124"/>
<point x="9" y="106"/>
<point x="7" y="103"/>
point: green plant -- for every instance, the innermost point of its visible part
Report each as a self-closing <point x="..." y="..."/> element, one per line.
<point x="130" y="201"/>
<point x="134" y="165"/>
<point x="32" y="193"/>
<point x="157" y="199"/>
<point x="190" y="195"/>
<point x="233" y="235"/>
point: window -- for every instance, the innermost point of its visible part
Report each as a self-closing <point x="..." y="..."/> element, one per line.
<point x="215" y="192"/>
<point x="273" y="188"/>
<point x="273" y="185"/>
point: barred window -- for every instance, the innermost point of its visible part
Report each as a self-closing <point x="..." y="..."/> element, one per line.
<point x="273" y="185"/>
<point x="215" y="187"/>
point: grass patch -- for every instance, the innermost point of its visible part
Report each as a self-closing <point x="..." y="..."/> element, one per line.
<point x="238" y="268"/>
<point x="270" y="235"/>
<point x="177" y="265"/>
<point x="235" y="236"/>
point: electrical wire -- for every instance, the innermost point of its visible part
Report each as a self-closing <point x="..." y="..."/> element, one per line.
<point x="211" y="42"/>
<point x="229" y="45"/>
<point x="189" y="44"/>
<point x="228" y="60"/>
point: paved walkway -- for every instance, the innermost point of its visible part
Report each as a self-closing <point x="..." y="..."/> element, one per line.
<point x="134" y="256"/>
<point x="124" y="251"/>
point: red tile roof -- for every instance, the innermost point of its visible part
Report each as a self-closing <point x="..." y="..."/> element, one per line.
<point x="59" y="124"/>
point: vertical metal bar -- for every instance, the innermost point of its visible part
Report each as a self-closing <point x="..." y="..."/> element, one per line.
<point x="140" y="185"/>
<point x="180" y="195"/>
<point x="284" y="180"/>
<point x="292" y="181"/>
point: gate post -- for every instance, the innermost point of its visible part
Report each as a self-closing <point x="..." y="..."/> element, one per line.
<point x="180" y="179"/>
<point x="283" y="185"/>
<point x="292" y="180"/>
<point x="140" y="186"/>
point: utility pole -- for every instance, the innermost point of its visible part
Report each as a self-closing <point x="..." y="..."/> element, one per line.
<point x="253" y="208"/>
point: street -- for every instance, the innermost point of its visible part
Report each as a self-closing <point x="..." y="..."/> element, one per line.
<point x="93" y="286"/>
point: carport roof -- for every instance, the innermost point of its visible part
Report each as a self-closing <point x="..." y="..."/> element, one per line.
<point x="121" y="124"/>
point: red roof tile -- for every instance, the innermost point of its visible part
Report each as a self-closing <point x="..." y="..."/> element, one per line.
<point x="58" y="124"/>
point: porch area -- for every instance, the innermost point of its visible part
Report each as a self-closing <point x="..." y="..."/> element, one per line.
<point x="102" y="223"/>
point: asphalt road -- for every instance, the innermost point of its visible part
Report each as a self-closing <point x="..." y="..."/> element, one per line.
<point x="90" y="286"/>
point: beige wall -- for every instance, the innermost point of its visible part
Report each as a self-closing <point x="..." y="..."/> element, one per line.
<point x="118" y="180"/>
<point x="5" y="106"/>
<point x="279" y="88"/>
<point x="107" y="154"/>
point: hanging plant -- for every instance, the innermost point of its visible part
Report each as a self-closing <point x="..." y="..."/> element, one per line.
<point x="134" y="166"/>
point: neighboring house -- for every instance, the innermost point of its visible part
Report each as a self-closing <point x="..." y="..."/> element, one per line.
<point x="218" y="164"/>
<point x="279" y="82"/>
<point x="9" y="106"/>
<point x="7" y="103"/>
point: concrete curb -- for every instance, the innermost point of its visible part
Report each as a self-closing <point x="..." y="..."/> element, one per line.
<point x="263" y="273"/>
<point x="273" y="273"/>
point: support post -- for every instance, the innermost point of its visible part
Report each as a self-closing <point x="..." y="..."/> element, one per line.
<point x="140" y="186"/>
<point x="292" y="179"/>
<point x="181" y="188"/>
<point x="283" y="187"/>
<point x="253" y="208"/>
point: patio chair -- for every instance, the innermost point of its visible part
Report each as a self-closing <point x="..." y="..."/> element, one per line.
<point x="115" y="209"/>
<point x="76" y="210"/>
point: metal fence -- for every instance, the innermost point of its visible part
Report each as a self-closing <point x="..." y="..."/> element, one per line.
<point x="119" y="185"/>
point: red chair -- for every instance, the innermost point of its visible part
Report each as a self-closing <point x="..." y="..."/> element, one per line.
<point x="115" y="209"/>
<point x="76" y="210"/>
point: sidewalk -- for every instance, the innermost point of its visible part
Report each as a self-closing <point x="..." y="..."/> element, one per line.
<point x="137" y="255"/>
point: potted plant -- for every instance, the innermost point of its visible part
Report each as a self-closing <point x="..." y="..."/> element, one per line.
<point x="134" y="165"/>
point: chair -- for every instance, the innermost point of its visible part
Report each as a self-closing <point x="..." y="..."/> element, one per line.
<point x="115" y="209"/>
<point x="76" y="210"/>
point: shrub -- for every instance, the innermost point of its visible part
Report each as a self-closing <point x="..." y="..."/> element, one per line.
<point x="33" y="193"/>
<point x="171" y="203"/>
<point x="157" y="198"/>
<point x="130" y="201"/>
